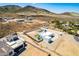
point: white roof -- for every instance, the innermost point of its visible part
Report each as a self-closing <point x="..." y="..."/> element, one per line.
<point x="45" y="35"/>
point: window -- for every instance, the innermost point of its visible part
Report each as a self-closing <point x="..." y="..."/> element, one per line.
<point x="51" y="36"/>
<point x="50" y="41"/>
<point x="11" y="53"/>
<point x="15" y="38"/>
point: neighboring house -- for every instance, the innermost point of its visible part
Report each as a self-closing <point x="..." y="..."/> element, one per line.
<point x="2" y="20"/>
<point x="78" y="33"/>
<point x="76" y="24"/>
<point x="15" y="42"/>
<point x="20" y="20"/>
<point x="5" y="49"/>
<point x="46" y="35"/>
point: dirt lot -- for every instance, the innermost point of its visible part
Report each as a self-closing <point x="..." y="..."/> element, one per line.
<point x="64" y="46"/>
<point x="68" y="46"/>
<point x="36" y="48"/>
<point x="33" y="51"/>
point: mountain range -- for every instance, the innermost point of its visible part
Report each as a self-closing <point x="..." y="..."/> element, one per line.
<point x="30" y="10"/>
<point x="26" y="9"/>
<point x="71" y="13"/>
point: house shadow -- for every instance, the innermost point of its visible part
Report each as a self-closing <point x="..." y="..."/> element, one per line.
<point x="19" y="52"/>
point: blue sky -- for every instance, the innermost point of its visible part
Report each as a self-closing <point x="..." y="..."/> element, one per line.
<point x="53" y="7"/>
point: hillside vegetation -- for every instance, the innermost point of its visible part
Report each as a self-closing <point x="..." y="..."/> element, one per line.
<point x="37" y="14"/>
